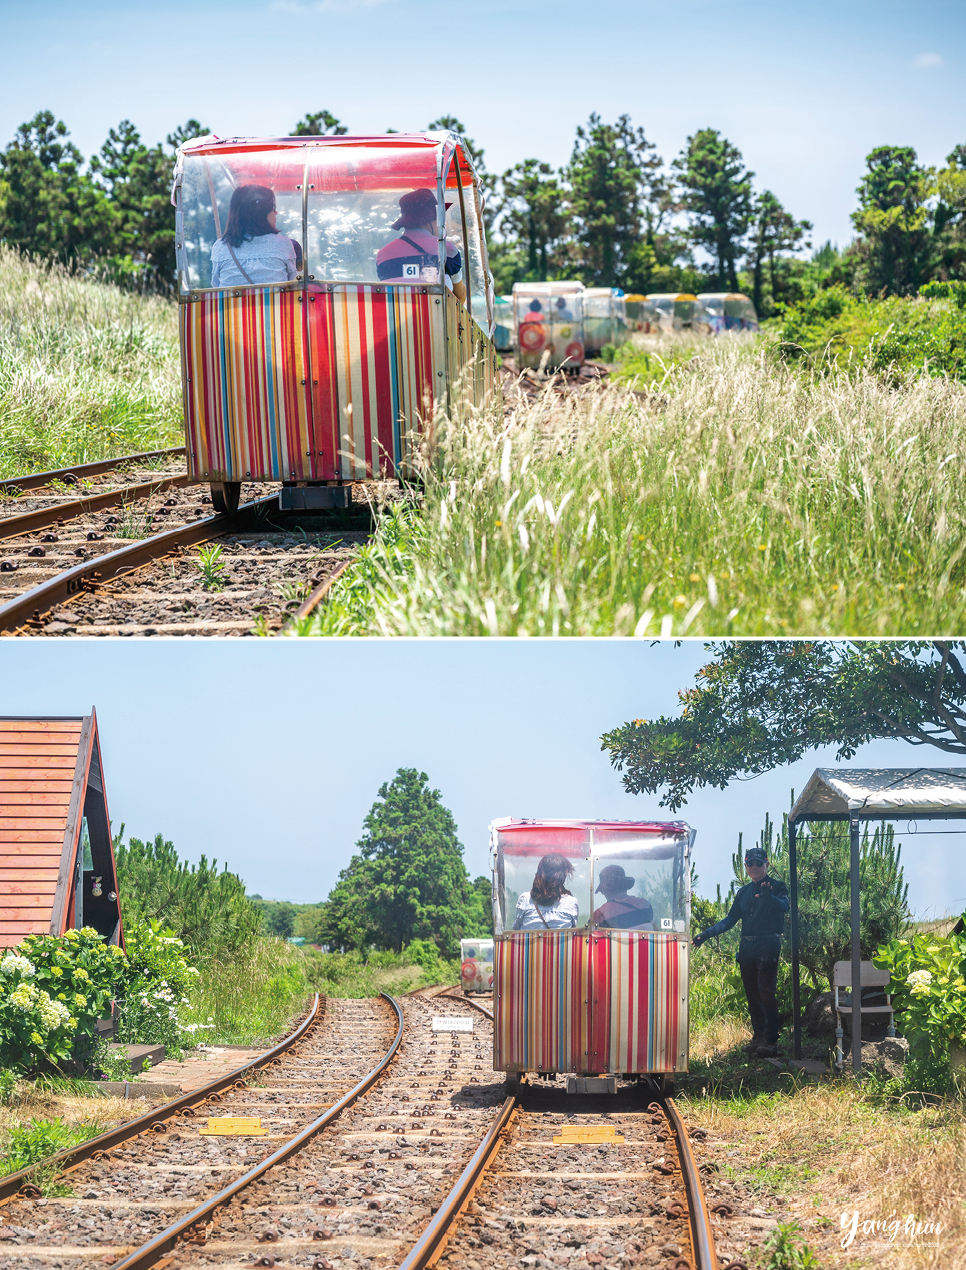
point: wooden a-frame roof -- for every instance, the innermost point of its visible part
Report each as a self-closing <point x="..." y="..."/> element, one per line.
<point x="51" y="792"/>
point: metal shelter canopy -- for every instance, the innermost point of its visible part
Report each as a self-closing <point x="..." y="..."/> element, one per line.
<point x="856" y="794"/>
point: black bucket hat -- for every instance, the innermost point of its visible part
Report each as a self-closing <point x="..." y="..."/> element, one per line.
<point x="416" y="208"/>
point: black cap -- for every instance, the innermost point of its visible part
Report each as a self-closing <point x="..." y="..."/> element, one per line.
<point x="756" y="855"/>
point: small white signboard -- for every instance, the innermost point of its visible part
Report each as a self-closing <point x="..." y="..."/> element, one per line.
<point x="451" y="1023"/>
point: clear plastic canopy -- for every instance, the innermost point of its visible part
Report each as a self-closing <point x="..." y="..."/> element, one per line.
<point x="623" y="875"/>
<point x="337" y="200"/>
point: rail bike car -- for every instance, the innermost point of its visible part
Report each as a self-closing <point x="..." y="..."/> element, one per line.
<point x="728" y="311"/>
<point x="550" y="324"/>
<point x="476" y="965"/>
<point x="605" y="318"/>
<point x="591" y="927"/>
<point x="504" y="333"/>
<point x="638" y="314"/>
<point x="674" y="311"/>
<point x="334" y="295"/>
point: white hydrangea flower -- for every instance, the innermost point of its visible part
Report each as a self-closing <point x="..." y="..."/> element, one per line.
<point x="919" y="982"/>
<point x="23" y="997"/>
<point x="12" y="964"/>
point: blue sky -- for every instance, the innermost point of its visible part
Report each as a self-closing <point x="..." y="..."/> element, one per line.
<point x="267" y="754"/>
<point x="805" y="90"/>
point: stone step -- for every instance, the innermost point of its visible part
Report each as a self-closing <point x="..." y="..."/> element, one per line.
<point x="138" y="1055"/>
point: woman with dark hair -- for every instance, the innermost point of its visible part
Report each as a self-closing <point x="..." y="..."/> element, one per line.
<point x="251" y="250"/>
<point x="548" y="905"/>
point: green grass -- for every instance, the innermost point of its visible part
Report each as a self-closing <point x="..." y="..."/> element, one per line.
<point x="87" y="371"/>
<point x="732" y="496"/>
<point x="249" y="997"/>
<point x="356" y="974"/>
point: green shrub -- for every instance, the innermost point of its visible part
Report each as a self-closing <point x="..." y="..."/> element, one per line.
<point x="53" y="989"/>
<point x="928" y="989"/>
<point x="834" y="328"/>
<point x="158" y="981"/>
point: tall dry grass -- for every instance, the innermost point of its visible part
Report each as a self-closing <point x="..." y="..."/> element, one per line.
<point x="87" y="371"/>
<point x="830" y="1149"/>
<point x="733" y="496"/>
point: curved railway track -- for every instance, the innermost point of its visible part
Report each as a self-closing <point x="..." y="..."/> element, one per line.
<point x="386" y="1147"/>
<point x="85" y="557"/>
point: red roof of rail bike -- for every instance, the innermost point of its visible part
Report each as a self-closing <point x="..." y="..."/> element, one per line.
<point x="397" y="160"/>
<point x="623" y="826"/>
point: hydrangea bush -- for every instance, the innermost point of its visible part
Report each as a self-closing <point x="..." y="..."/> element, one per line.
<point x="928" y="991"/>
<point x="53" y="988"/>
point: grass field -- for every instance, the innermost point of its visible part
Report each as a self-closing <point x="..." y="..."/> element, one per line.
<point x="812" y="1150"/>
<point x="86" y="371"/>
<point x="729" y="495"/>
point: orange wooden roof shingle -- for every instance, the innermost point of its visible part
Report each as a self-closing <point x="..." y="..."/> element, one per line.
<point x="43" y="775"/>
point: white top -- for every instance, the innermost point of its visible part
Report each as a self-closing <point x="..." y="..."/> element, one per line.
<point x="267" y="258"/>
<point x="895" y="791"/>
<point x="558" y="916"/>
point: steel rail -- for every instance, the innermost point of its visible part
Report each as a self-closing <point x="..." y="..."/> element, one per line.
<point x="156" y="1248"/>
<point x="431" y="1243"/>
<point x="312" y="601"/>
<point x="28" y="522"/>
<point x="81" y="470"/>
<point x="47" y="595"/>
<point x="702" y="1235"/>
<point x="74" y="1156"/>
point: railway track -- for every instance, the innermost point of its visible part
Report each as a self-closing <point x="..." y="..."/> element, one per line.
<point x="625" y="1190"/>
<point x="116" y="552"/>
<point x="387" y="1146"/>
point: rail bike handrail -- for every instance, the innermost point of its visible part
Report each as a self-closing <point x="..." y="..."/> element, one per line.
<point x="37" y="479"/>
<point x="73" y="1156"/>
<point x="155" y="1248"/>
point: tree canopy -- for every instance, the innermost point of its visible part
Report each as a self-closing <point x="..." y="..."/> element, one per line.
<point x="408" y="880"/>
<point x="761" y="704"/>
<point x="207" y="909"/>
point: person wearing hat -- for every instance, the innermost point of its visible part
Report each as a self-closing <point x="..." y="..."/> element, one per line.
<point x="622" y="911"/>
<point x="414" y="255"/>
<point x="760" y="906"/>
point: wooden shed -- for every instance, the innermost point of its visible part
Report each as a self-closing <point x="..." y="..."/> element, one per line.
<point x="56" y="856"/>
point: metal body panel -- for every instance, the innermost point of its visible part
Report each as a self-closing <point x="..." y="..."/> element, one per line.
<point x="591" y="1002"/>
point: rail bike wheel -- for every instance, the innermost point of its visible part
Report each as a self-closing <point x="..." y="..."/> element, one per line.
<point x="513" y="1083"/>
<point x="225" y="496"/>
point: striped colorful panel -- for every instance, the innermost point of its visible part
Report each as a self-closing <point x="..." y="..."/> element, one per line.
<point x="372" y="355"/>
<point x="470" y="360"/>
<point x="247" y="410"/>
<point x="569" y="1002"/>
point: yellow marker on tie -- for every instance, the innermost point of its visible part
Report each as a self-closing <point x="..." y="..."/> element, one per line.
<point x="573" y="1133"/>
<point x="234" y="1126"/>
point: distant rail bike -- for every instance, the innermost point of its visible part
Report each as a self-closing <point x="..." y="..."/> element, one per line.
<point x="591" y="927"/>
<point x="334" y="294"/>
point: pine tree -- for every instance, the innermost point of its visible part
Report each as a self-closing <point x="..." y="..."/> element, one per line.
<point x="408" y="880"/>
<point x="207" y="909"/>
<point x="717" y="193"/>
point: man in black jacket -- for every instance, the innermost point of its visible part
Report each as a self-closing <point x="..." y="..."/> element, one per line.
<point x="760" y="906"/>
